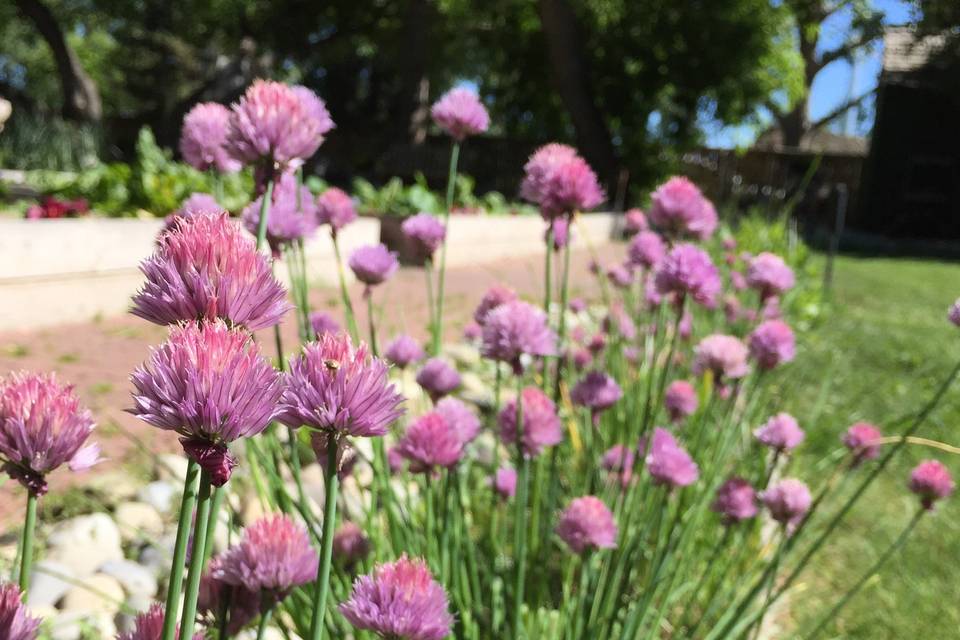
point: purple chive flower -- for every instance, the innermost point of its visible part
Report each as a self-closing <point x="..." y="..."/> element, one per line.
<point x="15" y="620"/>
<point x="725" y="356"/>
<point x="403" y="351"/>
<point x="515" y="329"/>
<point x="42" y="426"/>
<point x="274" y="555"/>
<point x="373" y="264"/>
<point x="541" y="425"/>
<point x="619" y="321"/>
<point x="685" y="326"/>
<point x="668" y="463"/>
<point x="146" y="626"/>
<point x="680" y="400"/>
<point x="337" y="389"/>
<point x="582" y="358"/>
<point x="587" y="523"/>
<point x="350" y="543"/>
<point x="646" y="250"/>
<point x="460" y="113"/>
<point x="680" y="209"/>
<point x="472" y="332"/>
<point x="287" y="220"/>
<point x="430" y="442"/>
<point x="335" y="208"/>
<point x="540" y="165"/>
<point x="494" y="297"/>
<point x="208" y="268"/>
<point x="954" y="313"/>
<point x="687" y="271"/>
<point x="769" y="275"/>
<point x="736" y="501"/>
<point x="211" y="385"/>
<point x="438" y="378"/>
<point x="400" y="601"/>
<point x="597" y="392"/>
<point x="738" y="281"/>
<point x="863" y="441"/>
<point x="505" y="482"/>
<point x="194" y="204"/>
<point x="276" y="124"/>
<point x="560" y="181"/>
<point x="578" y="305"/>
<point x="931" y="481"/>
<point x="203" y="138"/>
<point x="425" y="232"/>
<point x="460" y="418"/>
<point x="322" y="323"/>
<point x="619" y="460"/>
<point x="561" y="233"/>
<point x="244" y="603"/>
<point x="620" y="276"/>
<point x="781" y="432"/>
<point x="634" y="221"/>
<point x="787" y="501"/>
<point x="729" y="243"/>
<point x="732" y="309"/>
<point x="772" y="343"/>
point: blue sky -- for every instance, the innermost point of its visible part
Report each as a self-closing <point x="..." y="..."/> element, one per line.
<point x="833" y="85"/>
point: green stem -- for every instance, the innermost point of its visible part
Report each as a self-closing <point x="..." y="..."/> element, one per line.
<point x="372" y="323"/>
<point x="562" y="327"/>
<point x="344" y="293"/>
<point x="175" y="585"/>
<point x="431" y="305"/>
<point x="264" y="212"/>
<point x="224" y="614"/>
<point x="264" y="621"/>
<point x="520" y="520"/>
<point x="26" y="544"/>
<point x="197" y="554"/>
<point x="326" y="554"/>
<point x="451" y="183"/>
<point x="219" y="493"/>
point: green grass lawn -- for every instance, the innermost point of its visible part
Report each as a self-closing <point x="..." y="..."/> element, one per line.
<point x="880" y="353"/>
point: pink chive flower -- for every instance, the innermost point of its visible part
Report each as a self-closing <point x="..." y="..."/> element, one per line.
<point x="515" y="329"/>
<point x="680" y="209"/>
<point x="322" y="323"/>
<point x="203" y="138"/>
<point x="335" y="208"/>
<point x="350" y="543"/>
<point x="336" y="388"/>
<point x="620" y="276"/>
<point x="738" y="281"/>
<point x="619" y="460"/>
<point x="560" y="181"/>
<point x="208" y="268"/>
<point x="634" y="221"/>
<point x="582" y="358"/>
<point x="787" y="501"/>
<point x="288" y="219"/>
<point x="244" y="603"/>
<point x="438" y="378"/>
<point x="42" y="426"/>
<point x="597" y="392"/>
<point x="560" y="235"/>
<point x="425" y="232"/>
<point x="772" y="344"/>
<point x="276" y="124"/>
<point x="781" y="432"/>
<point x="505" y="482"/>
<point x="646" y="250"/>
<point x="494" y="297"/>
<point x="146" y="626"/>
<point x="736" y="501"/>
<point x="194" y="204"/>
<point x="931" y="481"/>
<point x="668" y="463"/>
<point x="680" y="400"/>
<point x="732" y="309"/>
<point x="618" y="321"/>
<point x="954" y="313"/>
<point x="587" y="523"/>
<point x="460" y="113"/>
<point x="373" y="264"/>
<point x="460" y="418"/>
<point x="685" y="326"/>
<point x="472" y="332"/>
<point x="211" y="385"/>
<point x="578" y="305"/>
<point x="274" y="555"/>
<point x="15" y="620"/>
<point x="541" y="425"/>
<point x="400" y="601"/>
<point x="863" y="441"/>
<point x="539" y="166"/>
<point x="403" y="351"/>
<point x="769" y="275"/>
<point x="430" y="442"/>
<point x="725" y="356"/>
<point x="687" y="271"/>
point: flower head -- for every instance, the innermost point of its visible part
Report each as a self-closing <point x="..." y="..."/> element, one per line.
<point x="772" y="343"/>
<point x="541" y="425"/>
<point x="559" y="233"/>
<point x="403" y="351"/>
<point x="335" y="208"/>
<point x="725" y="356"/>
<point x="687" y="271"/>
<point x="560" y="181"/>
<point x="401" y="601"/>
<point x="15" y="620"/>
<point x="322" y="323"/>
<point x="788" y="501"/>
<point x="769" y="275"/>
<point x="425" y="231"/>
<point x="42" y="426"/>
<point x="207" y="268"/>
<point x="203" y="138"/>
<point x="931" y="481"/>
<point x="587" y="523"/>
<point x="292" y="214"/>
<point x="431" y="442"/>
<point x="679" y="208"/>
<point x="215" y="593"/>
<point x="619" y="322"/>
<point x="494" y="297"/>
<point x="646" y="250"/>
<point x="597" y="392"/>
<point x="515" y="329"/>
<point x="781" y="432"/>
<point x="736" y="501"/>
<point x="336" y="388"/>
<point x="460" y="113"/>
<point x="505" y="482"/>
<point x="954" y="313"/>
<point x="635" y="221"/>
<point x="863" y="440"/>
<point x="196" y="203"/>
<point x="620" y="276"/>
<point x="210" y="384"/>
<point x="680" y="400"/>
<point x="373" y="264"/>
<point x="350" y="543"/>
<point x="619" y="460"/>
<point x="668" y="463"/>
<point x="438" y="378"/>
<point x="464" y="421"/>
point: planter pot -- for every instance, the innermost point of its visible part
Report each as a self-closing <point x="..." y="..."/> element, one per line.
<point x="391" y="235"/>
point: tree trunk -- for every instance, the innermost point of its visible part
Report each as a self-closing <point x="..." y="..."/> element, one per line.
<point x="571" y="78"/>
<point x="795" y="124"/>
<point x="81" y="99"/>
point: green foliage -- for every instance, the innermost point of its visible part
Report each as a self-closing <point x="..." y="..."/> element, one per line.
<point x="396" y="199"/>
<point x="29" y="141"/>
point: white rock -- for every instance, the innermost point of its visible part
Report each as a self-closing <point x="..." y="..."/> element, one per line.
<point x="84" y="543"/>
<point x="115" y="486"/>
<point x="48" y="583"/>
<point x="172" y="468"/>
<point x="134" y="579"/>
<point x="465" y="355"/>
<point x="160" y="495"/>
<point x="473" y="389"/>
<point x="74" y="625"/>
<point x="138" y="520"/>
<point x="157" y="556"/>
<point x="99" y="594"/>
